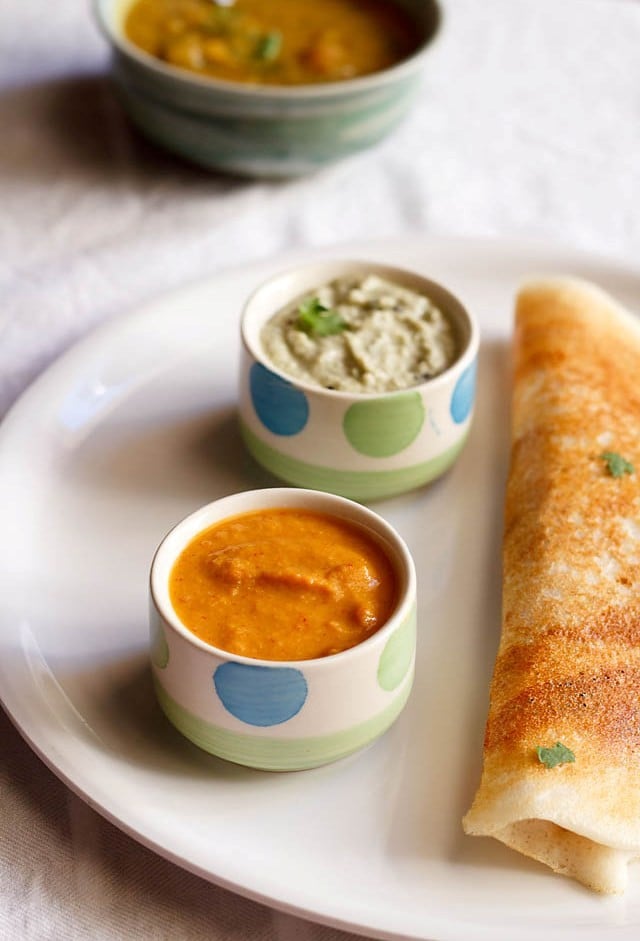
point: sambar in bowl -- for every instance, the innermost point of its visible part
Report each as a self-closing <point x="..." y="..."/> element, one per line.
<point x="274" y="42"/>
<point x="267" y="87"/>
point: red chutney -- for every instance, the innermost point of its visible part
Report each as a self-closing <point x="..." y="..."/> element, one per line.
<point x="283" y="584"/>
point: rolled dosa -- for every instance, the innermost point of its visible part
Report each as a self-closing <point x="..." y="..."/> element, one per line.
<point x="568" y="665"/>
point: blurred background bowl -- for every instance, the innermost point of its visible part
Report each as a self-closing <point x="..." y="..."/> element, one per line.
<point x="365" y="446"/>
<point x="259" y="130"/>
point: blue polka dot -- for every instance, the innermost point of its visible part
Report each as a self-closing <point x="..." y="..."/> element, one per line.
<point x="260" y="695"/>
<point x="281" y="407"/>
<point x="464" y="394"/>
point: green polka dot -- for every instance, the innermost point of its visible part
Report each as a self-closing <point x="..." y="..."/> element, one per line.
<point x="159" y="646"/>
<point x="397" y="655"/>
<point x="382" y="427"/>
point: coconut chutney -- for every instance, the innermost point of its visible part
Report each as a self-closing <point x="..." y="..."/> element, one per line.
<point x="360" y="334"/>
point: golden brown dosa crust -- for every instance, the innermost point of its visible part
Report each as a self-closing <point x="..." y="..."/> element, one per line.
<point x="568" y="664"/>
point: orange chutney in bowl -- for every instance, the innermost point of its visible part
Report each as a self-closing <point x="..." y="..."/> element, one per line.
<point x="275" y="42"/>
<point x="283" y="584"/>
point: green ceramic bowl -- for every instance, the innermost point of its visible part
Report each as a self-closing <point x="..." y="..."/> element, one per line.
<point x="253" y="130"/>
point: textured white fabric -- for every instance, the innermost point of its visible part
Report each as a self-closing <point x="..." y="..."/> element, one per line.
<point x="528" y="125"/>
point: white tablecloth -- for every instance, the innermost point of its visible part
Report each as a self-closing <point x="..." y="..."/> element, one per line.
<point x="528" y="125"/>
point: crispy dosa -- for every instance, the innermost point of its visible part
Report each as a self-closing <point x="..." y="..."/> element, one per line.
<point x="568" y="663"/>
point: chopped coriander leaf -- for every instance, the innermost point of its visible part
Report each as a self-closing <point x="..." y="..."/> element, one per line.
<point x="269" y="46"/>
<point x="317" y="320"/>
<point x="616" y="465"/>
<point x="558" y="754"/>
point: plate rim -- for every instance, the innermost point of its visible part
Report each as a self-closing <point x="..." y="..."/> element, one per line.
<point x="259" y="269"/>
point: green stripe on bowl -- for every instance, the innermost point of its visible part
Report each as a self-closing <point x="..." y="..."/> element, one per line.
<point x="358" y="485"/>
<point x="280" y="145"/>
<point x="279" y="754"/>
<point x="397" y="656"/>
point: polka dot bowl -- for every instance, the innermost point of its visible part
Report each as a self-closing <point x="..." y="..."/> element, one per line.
<point x="276" y="715"/>
<point x="363" y="446"/>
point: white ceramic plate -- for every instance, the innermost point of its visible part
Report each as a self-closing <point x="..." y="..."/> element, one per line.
<point x="133" y="429"/>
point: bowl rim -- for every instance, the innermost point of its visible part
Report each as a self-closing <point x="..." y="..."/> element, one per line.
<point x="332" y="504"/>
<point x="405" y="277"/>
<point x="294" y="93"/>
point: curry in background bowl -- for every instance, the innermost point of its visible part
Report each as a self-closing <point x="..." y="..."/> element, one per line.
<point x="283" y="627"/>
<point x="276" y="42"/>
<point x="276" y="106"/>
